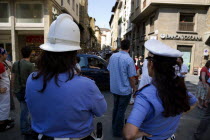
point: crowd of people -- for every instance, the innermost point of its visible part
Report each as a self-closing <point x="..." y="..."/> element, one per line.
<point x="57" y="102"/>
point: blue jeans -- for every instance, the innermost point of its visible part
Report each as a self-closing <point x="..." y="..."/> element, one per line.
<point x="204" y="123"/>
<point x="120" y="106"/>
<point x="25" y="122"/>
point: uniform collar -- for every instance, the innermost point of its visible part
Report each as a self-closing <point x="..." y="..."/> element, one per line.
<point x="124" y="52"/>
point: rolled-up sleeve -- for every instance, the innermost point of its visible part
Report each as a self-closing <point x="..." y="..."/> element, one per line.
<point x="140" y="111"/>
<point x="192" y="99"/>
<point x="131" y="68"/>
<point x="99" y="105"/>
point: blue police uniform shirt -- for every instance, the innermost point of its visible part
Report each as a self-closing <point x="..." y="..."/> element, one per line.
<point x="147" y="114"/>
<point x="66" y="111"/>
<point x="121" y="67"/>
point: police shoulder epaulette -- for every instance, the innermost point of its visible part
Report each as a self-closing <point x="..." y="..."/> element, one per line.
<point x="142" y="88"/>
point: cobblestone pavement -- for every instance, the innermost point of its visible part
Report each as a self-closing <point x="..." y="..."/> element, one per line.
<point x="187" y="126"/>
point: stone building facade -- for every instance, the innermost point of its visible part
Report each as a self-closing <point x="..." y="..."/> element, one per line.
<point x="114" y="23"/>
<point x="98" y="36"/>
<point x="120" y="22"/>
<point x="88" y="41"/>
<point x="181" y="24"/>
<point x="27" y="22"/>
<point x="105" y="39"/>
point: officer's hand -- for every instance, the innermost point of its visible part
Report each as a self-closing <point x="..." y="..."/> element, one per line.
<point x="142" y="134"/>
<point x="3" y="90"/>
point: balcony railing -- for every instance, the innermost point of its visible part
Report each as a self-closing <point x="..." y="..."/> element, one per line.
<point x="186" y="26"/>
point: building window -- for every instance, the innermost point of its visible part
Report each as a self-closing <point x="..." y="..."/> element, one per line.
<point x="73" y="4"/>
<point x="132" y="6"/>
<point x="137" y="3"/>
<point x="186" y="22"/>
<point x="69" y="2"/>
<point x="144" y="3"/>
<point x="61" y="2"/>
<point x="77" y="8"/>
<point x="4" y="16"/>
<point x="29" y="13"/>
<point x="152" y="23"/>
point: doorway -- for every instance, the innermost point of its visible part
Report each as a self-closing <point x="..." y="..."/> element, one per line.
<point x="187" y="50"/>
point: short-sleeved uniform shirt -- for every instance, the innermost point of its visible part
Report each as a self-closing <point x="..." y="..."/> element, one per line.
<point x="147" y="114"/>
<point x="26" y="68"/>
<point x="67" y="110"/>
<point x="121" y="67"/>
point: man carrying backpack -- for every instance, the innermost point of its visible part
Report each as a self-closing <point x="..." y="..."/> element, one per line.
<point x="20" y="72"/>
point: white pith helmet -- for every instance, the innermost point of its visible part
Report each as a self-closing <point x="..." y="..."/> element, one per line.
<point x="63" y="36"/>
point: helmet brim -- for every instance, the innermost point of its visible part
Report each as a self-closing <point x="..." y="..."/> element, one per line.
<point x="59" y="47"/>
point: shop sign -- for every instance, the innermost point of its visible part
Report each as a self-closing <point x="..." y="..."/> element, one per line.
<point x="181" y="37"/>
<point x="35" y="39"/>
<point x="205" y="52"/>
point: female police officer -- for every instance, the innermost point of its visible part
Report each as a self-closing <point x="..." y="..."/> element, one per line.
<point x="158" y="107"/>
<point x="62" y="104"/>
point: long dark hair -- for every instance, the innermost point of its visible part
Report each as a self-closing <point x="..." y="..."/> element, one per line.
<point x="171" y="88"/>
<point x="51" y="64"/>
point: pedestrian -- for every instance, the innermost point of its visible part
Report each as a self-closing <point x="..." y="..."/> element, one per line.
<point x="183" y="69"/>
<point x="140" y="63"/>
<point x="205" y="121"/>
<point x="137" y="72"/>
<point x="122" y="85"/>
<point x="20" y="71"/>
<point x="77" y="64"/>
<point x="136" y="60"/>
<point x="9" y="56"/>
<point x="5" y="123"/>
<point x="8" y="67"/>
<point x="158" y="106"/>
<point x="145" y="78"/>
<point x="203" y="84"/>
<point x="136" y="82"/>
<point x="62" y="103"/>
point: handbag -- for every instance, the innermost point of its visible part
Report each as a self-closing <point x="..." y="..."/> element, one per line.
<point x="21" y="94"/>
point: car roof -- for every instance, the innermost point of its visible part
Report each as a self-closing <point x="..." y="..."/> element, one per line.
<point x="87" y="55"/>
<point x="90" y="55"/>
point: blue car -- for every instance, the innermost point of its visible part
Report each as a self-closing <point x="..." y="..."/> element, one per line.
<point x="95" y="68"/>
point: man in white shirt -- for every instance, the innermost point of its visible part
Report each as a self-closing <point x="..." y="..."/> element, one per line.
<point x="184" y="68"/>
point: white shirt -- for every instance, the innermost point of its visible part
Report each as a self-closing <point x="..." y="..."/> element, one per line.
<point x="145" y="78"/>
<point x="184" y="69"/>
<point x="5" y="97"/>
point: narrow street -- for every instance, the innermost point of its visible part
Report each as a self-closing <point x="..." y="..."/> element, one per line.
<point x="187" y="126"/>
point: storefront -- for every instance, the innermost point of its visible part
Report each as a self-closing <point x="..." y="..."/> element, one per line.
<point x="191" y="45"/>
<point x="182" y="28"/>
<point x="33" y="41"/>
